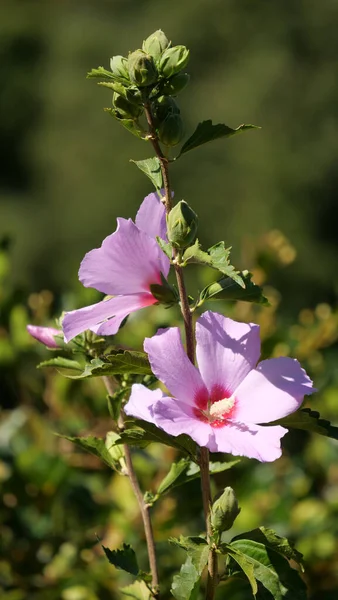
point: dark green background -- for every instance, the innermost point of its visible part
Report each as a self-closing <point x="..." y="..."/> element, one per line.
<point x="64" y="170"/>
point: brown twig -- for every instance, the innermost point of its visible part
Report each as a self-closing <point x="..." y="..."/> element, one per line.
<point x="190" y="348"/>
<point x="144" y="508"/>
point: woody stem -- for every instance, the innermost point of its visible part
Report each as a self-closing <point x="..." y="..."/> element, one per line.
<point x="190" y="348"/>
<point x="144" y="508"/>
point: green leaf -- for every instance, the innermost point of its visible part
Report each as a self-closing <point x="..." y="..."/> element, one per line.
<point x="148" y="432"/>
<point x="165" y="246"/>
<point x="207" y="132"/>
<point x="185" y="583"/>
<point x="246" y="566"/>
<point x="117" y="362"/>
<point x="176" y="469"/>
<point x="63" y="365"/>
<point x="217" y="257"/>
<point x="116" y="451"/>
<point x="270" y="539"/>
<point x="131" y="124"/>
<point x="137" y="590"/>
<point x="151" y="168"/>
<point x="227" y="289"/>
<point x="100" y="72"/>
<point x="115" y="402"/>
<point x="308" y="420"/>
<point x="124" y="558"/>
<point x="220" y="257"/>
<point x="270" y="568"/>
<point x="185" y="471"/>
<point x="95" y="446"/>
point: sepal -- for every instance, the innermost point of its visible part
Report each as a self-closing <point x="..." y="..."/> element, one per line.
<point x="173" y="60"/>
<point x="182" y="224"/>
<point x="156" y="44"/>
<point x="174" y="85"/>
<point x="141" y="68"/>
<point x="224" y="511"/>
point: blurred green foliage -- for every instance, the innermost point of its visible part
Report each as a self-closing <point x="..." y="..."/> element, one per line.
<point x="65" y="177"/>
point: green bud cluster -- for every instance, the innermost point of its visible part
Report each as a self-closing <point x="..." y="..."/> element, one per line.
<point x="152" y="74"/>
<point x="182" y="224"/>
<point x="142" y="69"/>
<point x="169" y="123"/>
<point x="224" y="511"/>
<point x="125" y="109"/>
<point x="156" y="44"/>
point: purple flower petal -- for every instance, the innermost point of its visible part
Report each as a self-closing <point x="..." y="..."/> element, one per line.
<point x="93" y="316"/>
<point x="177" y="417"/>
<point x="273" y="390"/>
<point x="128" y="261"/>
<point x="151" y="217"/>
<point x="247" y="439"/>
<point x="142" y="401"/>
<point x="45" y="335"/>
<point x="226" y="351"/>
<point x="171" y="365"/>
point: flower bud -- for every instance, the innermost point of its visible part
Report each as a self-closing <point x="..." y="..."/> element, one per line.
<point x="119" y="68"/>
<point x="125" y="109"/>
<point x="165" y="293"/>
<point x="175" y="84"/>
<point x="155" y="44"/>
<point x="115" y="450"/>
<point x="182" y="225"/>
<point x="173" y="60"/>
<point x="164" y="106"/>
<point x="142" y="69"/>
<point x="171" y="131"/>
<point x="49" y="336"/>
<point x="224" y="511"/>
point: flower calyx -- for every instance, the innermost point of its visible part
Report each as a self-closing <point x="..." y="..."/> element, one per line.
<point x="224" y="511"/>
<point x="182" y="224"/>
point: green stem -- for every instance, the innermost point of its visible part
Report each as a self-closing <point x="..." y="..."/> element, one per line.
<point x="144" y="508"/>
<point x="190" y="347"/>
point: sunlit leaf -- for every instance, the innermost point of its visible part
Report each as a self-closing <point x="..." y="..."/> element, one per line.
<point x="131" y="124"/>
<point x="117" y="362"/>
<point x="100" y="72"/>
<point x="184" y="471"/>
<point x="184" y="584"/>
<point x="270" y="539"/>
<point x="165" y="246"/>
<point x="308" y="420"/>
<point x="207" y="132"/>
<point x="95" y="446"/>
<point x="137" y="590"/>
<point x="217" y="257"/>
<point x="151" y="168"/>
<point x="246" y="566"/>
<point x="228" y="289"/>
<point x="66" y="366"/>
<point x="148" y="432"/>
<point x="271" y="569"/>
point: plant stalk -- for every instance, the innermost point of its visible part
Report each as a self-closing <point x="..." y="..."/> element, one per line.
<point x="144" y="508"/>
<point x="190" y="348"/>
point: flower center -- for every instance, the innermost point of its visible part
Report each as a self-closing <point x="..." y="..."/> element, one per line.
<point x="215" y="408"/>
<point x="219" y="409"/>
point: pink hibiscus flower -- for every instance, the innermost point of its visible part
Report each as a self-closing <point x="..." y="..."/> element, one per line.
<point x="125" y="266"/>
<point x="45" y="335"/>
<point x="221" y="403"/>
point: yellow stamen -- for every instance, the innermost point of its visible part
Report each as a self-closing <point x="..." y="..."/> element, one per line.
<point x="221" y="407"/>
